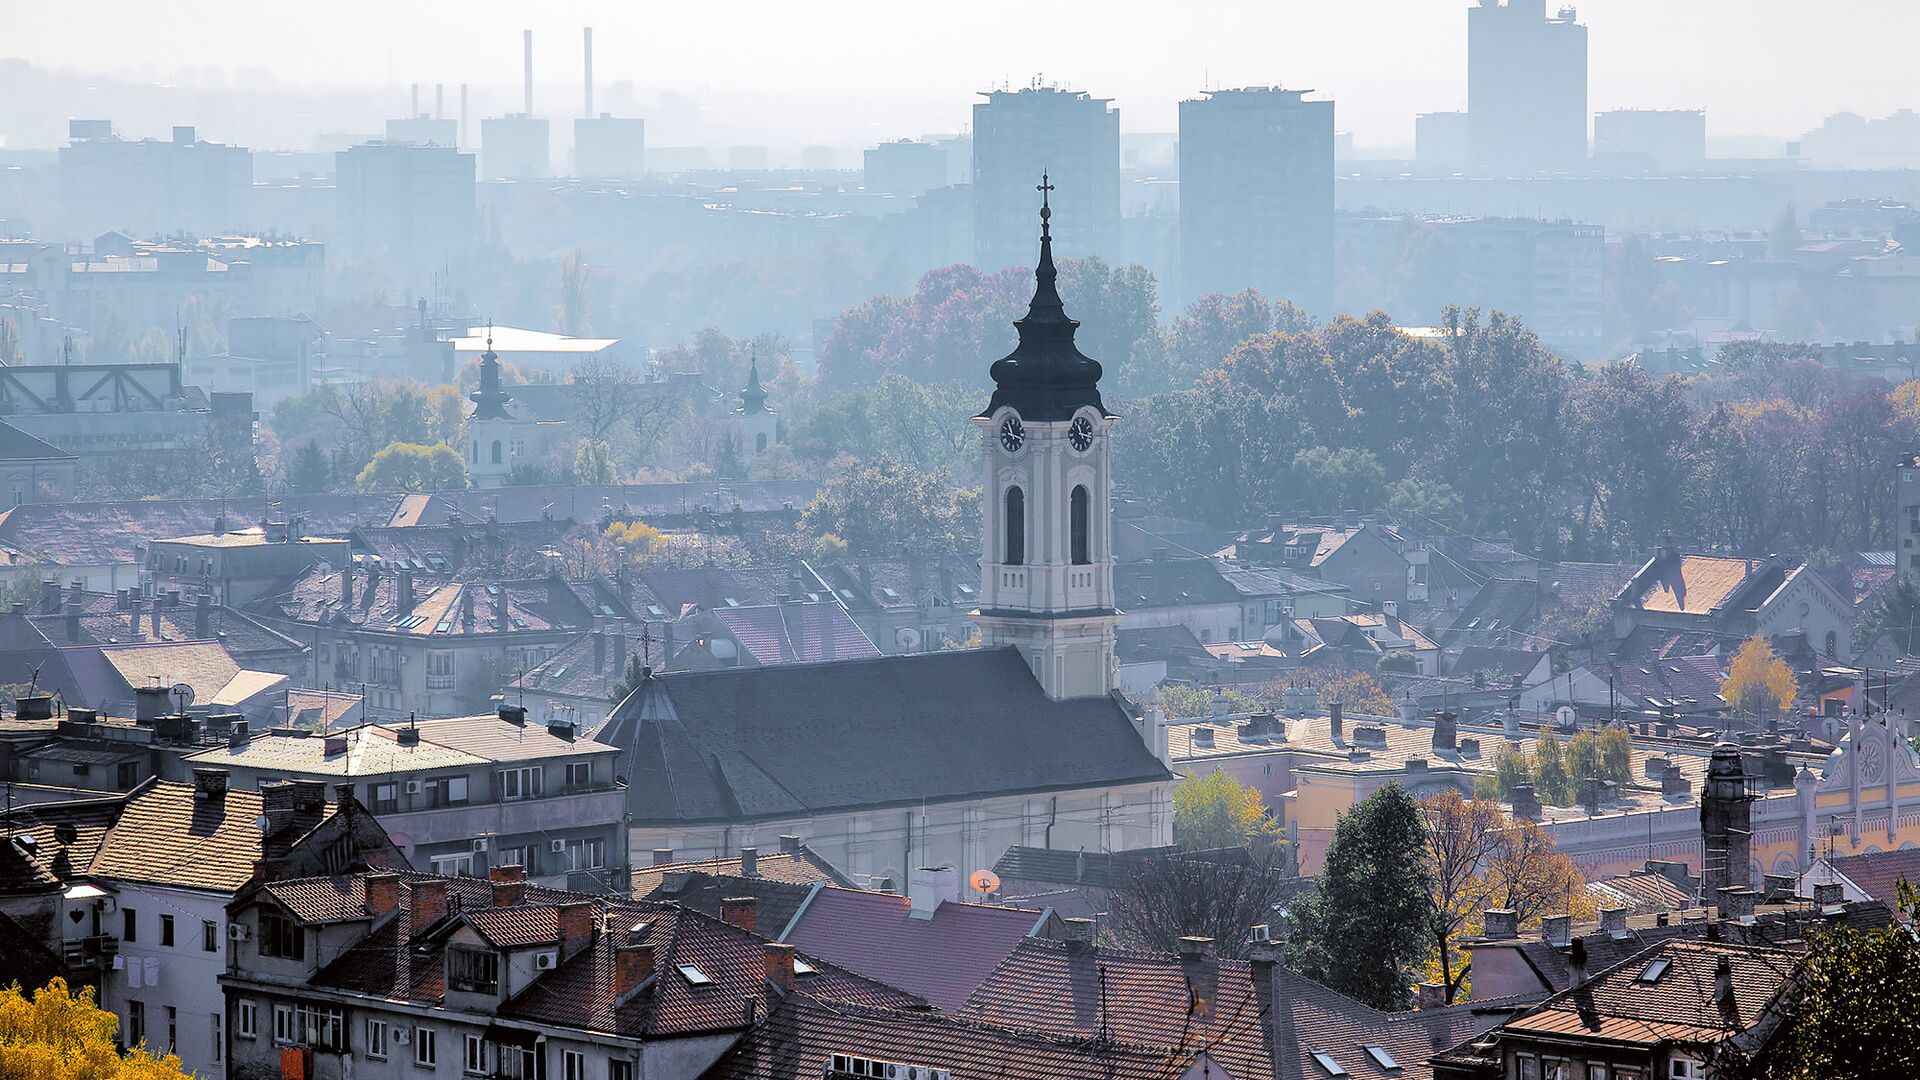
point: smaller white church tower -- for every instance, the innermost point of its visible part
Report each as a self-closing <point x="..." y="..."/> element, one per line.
<point x="759" y="426"/>
<point x="1046" y="564"/>
<point x="492" y="431"/>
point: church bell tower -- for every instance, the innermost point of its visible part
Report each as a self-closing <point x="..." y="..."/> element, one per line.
<point x="1046" y="566"/>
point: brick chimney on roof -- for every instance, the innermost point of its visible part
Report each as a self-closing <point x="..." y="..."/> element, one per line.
<point x="632" y="967"/>
<point x="1202" y="969"/>
<point x="779" y="956"/>
<point x="383" y="893"/>
<point x="509" y="885"/>
<point x="576" y="927"/>
<point x="428" y="900"/>
<point x="739" y="911"/>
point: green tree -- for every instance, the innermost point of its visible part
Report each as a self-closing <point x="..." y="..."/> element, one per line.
<point x="1217" y="811"/>
<point x="1898" y="616"/>
<point x="1553" y="781"/>
<point x="413" y="467"/>
<point x="1366" y="932"/>
<point x="1510" y="768"/>
<point x="884" y="507"/>
<point x="308" y="470"/>
<point x="1851" y="1008"/>
<point x="1336" y="480"/>
<point x="593" y="463"/>
<point x="1425" y="504"/>
<point x="631" y="678"/>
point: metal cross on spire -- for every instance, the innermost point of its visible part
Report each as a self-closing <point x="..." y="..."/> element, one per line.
<point x="1045" y="187"/>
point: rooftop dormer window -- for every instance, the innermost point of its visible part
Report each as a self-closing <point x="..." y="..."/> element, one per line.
<point x="473" y="971"/>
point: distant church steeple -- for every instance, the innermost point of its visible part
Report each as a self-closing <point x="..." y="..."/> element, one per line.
<point x="489" y="401"/>
<point x="759" y="427"/>
<point x="1046" y="572"/>
<point x="752" y="398"/>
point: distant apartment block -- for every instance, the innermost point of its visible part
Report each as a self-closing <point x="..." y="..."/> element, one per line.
<point x="407" y="209"/>
<point x="514" y="148"/>
<point x="1256" y="195"/>
<point x="608" y="147"/>
<point x="1442" y="140"/>
<point x="905" y="168"/>
<point x="1526" y="87"/>
<point x="1651" y="140"/>
<point x="1068" y="135"/>
<point x="423" y="131"/>
<point x="1550" y="274"/>
<point x="150" y="187"/>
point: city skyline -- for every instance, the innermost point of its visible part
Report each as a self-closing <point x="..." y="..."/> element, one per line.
<point x="795" y="75"/>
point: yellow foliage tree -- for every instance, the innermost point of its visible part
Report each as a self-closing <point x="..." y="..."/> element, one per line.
<point x="1217" y="811"/>
<point x="1759" y="683"/>
<point x="1358" y="693"/>
<point x="641" y="540"/>
<point x="57" y="1035"/>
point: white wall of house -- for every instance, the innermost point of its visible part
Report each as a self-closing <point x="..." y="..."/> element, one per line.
<point x="183" y="976"/>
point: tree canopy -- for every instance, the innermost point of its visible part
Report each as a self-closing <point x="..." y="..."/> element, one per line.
<point x="1217" y="811"/>
<point x="1366" y="932"/>
<point x="54" y="1034"/>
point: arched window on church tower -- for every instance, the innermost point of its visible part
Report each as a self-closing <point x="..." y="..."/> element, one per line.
<point x="496" y="451"/>
<point x="1016" y="527"/>
<point x="1077" y="523"/>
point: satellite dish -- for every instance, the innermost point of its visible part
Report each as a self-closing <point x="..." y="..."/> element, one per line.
<point x="984" y="881"/>
<point x="183" y="692"/>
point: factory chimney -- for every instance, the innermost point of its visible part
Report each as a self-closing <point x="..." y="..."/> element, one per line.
<point x="413" y="110"/>
<point x="439" y="101"/>
<point x="526" y="47"/>
<point x="586" y="35"/>
<point x="462" y="137"/>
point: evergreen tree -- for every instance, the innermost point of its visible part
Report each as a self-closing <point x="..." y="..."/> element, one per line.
<point x="1365" y="934"/>
<point x="308" y="470"/>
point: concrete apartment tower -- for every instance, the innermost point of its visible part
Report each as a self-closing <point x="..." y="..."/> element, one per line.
<point x="1073" y="137"/>
<point x="1256" y="195"/>
<point x="1526" y="88"/>
<point x="1046" y="570"/>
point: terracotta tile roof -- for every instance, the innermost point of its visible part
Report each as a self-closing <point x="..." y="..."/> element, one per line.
<point x="1878" y="873"/>
<point x="1501" y="607"/>
<point x="908" y="581"/>
<point x="1641" y="893"/>
<point x="65" y="838"/>
<point x="1695" y="584"/>
<point x="801" y="1037"/>
<point x="369" y="751"/>
<point x="796" y="633"/>
<point x="1621" y="1003"/>
<point x="205" y="666"/>
<point x="775" y="902"/>
<point x="802" y="867"/>
<point x="942" y="958"/>
<point x="166" y="836"/>
<point x="516" y="927"/>
<point x="1257" y="1025"/>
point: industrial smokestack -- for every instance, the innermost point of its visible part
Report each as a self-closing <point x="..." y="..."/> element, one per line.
<point x="439" y="101"/>
<point x="462" y="139"/>
<point x="526" y="47"/>
<point x="586" y="35"/>
<point x="413" y="110"/>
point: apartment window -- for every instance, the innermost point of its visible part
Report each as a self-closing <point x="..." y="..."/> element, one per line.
<point x="219" y="1044"/>
<point x="448" y="791"/>
<point x="209" y="936"/>
<point x="166" y="930"/>
<point x="137" y="1023"/>
<point x="1596" y="1072"/>
<point x="376" y="1038"/>
<point x="426" y="1052"/>
<point x="173" y="1028"/>
<point x="579" y="774"/>
<point x="280" y="937"/>
<point x="439" y="669"/>
<point x="473" y="971"/>
<point x="473" y="1059"/>
<point x="619" y="1069"/>
<point x="386" y="798"/>
<point x="520" y="783"/>
<point x="1556" y="1069"/>
<point x="246" y="1020"/>
<point x="126" y="775"/>
<point x="453" y="865"/>
<point x="522" y="857"/>
<point x="323" y="1027"/>
<point x="1528" y="1067"/>
<point x="129" y="924"/>
<point x="586" y="854"/>
<point x="285" y="1030"/>
<point x="573" y="1065"/>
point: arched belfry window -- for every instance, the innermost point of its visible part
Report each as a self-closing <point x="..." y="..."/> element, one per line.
<point x="496" y="452"/>
<point x="1016" y="527"/>
<point x="1077" y="522"/>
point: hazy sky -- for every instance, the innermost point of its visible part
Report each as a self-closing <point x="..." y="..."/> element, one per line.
<point x="853" y="70"/>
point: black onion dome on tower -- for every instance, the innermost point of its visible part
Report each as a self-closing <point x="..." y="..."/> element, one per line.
<point x="753" y="399"/>
<point x="1045" y="377"/>
<point x="489" y="401"/>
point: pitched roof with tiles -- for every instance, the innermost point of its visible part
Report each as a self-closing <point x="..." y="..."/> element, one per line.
<point x="801" y="867"/>
<point x="658" y="504"/>
<point x="64" y="836"/>
<point x="440" y="605"/>
<point x="1502" y="664"/>
<point x="1175" y="641"/>
<point x="1622" y="1004"/>
<point x="572" y="671"/>
<point x="906" y="581"/>
<point x="796" y="633"/>
<point x="106" y="624"/>
<point x="942" y="958"/>
<point x="168" y="836"/>
<point x="1501" y="607"/>
<point x="1165" y="583"/>
<point x="1879" y="873"/>
<point x="775" y="902"/>
<point x="1261" y="1022"/>
<point x="117" y="533"/>
<point x="801" y="1037"/>
<point x="367" y="750"/>
<point x="17" y="445"/>
<point x="1641" y="893"/>
<point x="491" y="738"/>
<point x="755" y="743"/>
<point x="1701" y="584"/>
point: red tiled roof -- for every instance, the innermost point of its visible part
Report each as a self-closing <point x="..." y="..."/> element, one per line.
<point x="166" y="836"/>
<point x="942" y="958"/>
<point x="1878" y="873"/>
<point x="517" y="927"/>
<point x="1680" y="1004"/>
<point x="803" y="1034"/>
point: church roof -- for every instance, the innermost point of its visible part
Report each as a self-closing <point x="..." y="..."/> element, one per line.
<point x="489" y="401"/>
<point x="753" y="399"/>
<point x="742" y="744"/>
<point x="1045" y="377"/>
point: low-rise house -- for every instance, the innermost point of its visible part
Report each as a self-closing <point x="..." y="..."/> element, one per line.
<point x="1496" y="617"/>
<point x="33" y="470"/>
<point x="1362" y="640"/>
<point x="1375" y="563"/>
<point x="235" y="567"/>
<point x="796" y="632"/>
<point x="1677" y="1009"/>
<point x="911" y="603"/>
<point x="1219" y="601"/>
<point x="1736" y="596"/>
<point x="927" y="941"/>
<point x="464" y="794"/>
<point x="403" y="974"/>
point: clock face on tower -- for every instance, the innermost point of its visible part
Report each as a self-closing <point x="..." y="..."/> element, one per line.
<point x="1012" y="434"/>
<point x="1080" y="433"/>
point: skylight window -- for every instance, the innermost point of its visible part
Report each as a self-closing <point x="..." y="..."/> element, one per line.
<point x="801" y="967"/>
<point x="694" y="975"/>
<point x="1328" y="1065"/>
<point x="1654" y="969"/>
<point x="1381" y="1057"/>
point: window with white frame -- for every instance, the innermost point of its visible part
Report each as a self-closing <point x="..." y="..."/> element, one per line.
<point x="473" y="1059"/>
<point x="573" y="1065"/>
<point x="246" y="1019"/>
<point x="376" y="1038"/>
<point x="579" y="774"/>
<point x="523" y="783"/>
<point x="439" y="669"/>
<point x="219" y="1044"/>
<point x="453" y="865"/>
<point x="522" y="857"/>
<point x="323" y="1027"/>
<point x="589" y="854"/>
<point x="386" y="798"/>
<point x="426" y="1051"/>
